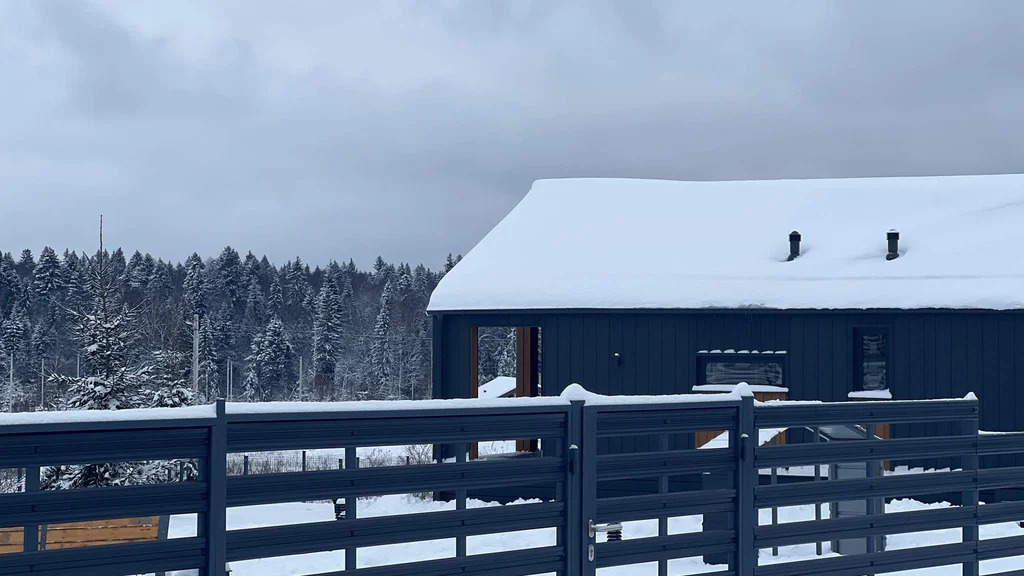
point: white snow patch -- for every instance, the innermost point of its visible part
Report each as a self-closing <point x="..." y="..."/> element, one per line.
<point x="870" y="395"/>
<point x="498" y="387"/>
<point x="727" y="388"/>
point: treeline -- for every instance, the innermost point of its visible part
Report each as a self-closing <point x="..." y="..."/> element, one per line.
<point x="110" y="331"/>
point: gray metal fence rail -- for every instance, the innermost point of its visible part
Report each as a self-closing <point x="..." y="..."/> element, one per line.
<point x="605" y="462"/>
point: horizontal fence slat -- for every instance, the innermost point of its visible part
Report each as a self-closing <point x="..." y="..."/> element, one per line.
<point x="52" y="448"/>
<point x="133" y="558"/>
<point x="879" y="562"/>
<point x="627" y="508"/>
<point x="1001" y="512"/>
<point x="299" y="486"/>
<point x="862" y="450"/>
<point x="1003" y="443"/>
<point x="1008" y="573"/>
<point x="1008" y="477"/>
<point x="994" y="548"/>
<point x="364" y="532"/>
<point x="62" y="506"/>
<point x="672" y="462"/>
<point x="373" y="431"/>
<point x="783" y="415"/>
<point x="651" y="420"/>
<point x="861" y="488"/>
<point x="640" y="550"/>
<point x="514" y="563"/>
<point x="792" y="533"/>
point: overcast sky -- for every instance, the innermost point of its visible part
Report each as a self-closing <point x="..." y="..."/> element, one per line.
<point x="336" y="129"/>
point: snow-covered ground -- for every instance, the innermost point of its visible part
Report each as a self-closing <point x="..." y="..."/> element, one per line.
<point x="297" y="513"/>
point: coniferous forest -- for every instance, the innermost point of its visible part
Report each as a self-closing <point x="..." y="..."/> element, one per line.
<point x="110" y="331"/>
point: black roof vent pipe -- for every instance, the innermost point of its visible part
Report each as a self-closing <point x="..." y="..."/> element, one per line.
<point x="794" y="246"/>
<point x="894" y="245"/>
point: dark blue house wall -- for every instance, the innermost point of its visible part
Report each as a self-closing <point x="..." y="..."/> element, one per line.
<point x="934" y="353"/>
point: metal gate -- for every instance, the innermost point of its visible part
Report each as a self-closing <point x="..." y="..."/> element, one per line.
<point x="639" y="463"/>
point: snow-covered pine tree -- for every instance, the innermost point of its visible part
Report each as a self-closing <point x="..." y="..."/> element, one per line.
<point x="167" y="386"/>
<point x="380" y="350"/>
<point x="48" y="280"/>
<point x="269" y="375"/>
<point x="326" y="337"/>
<point x="26" y="264"/>
<point x="105" y="332"/>
<point x="275" y="297"/>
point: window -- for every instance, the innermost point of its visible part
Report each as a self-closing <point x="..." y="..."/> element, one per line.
<point x="729" y="369"/>
<point x="871" y="353"/>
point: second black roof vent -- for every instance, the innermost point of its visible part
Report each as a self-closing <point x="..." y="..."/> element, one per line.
<point x="894" y="245"/>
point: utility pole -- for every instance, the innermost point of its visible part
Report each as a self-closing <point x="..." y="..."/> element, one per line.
<point x="230" y="397"/>
<point x="78" y="366"/>
<point x="10" y="384"/>
<point x="42" y="381"/>
<point x="300" y="378"/>
<point x="195" y="353"/>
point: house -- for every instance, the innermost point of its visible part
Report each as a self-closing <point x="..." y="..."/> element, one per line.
<point x="828" y="289"/>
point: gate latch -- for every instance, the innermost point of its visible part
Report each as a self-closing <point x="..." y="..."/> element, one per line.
<point x="595" y="528"/>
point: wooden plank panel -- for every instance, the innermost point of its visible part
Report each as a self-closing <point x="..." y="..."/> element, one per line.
<point x="839" y="379"/>
<point x="1006" y="377"/>
<point x="1016" y="392"/>
<point x="810" y="354"/>
<point x="929" y="384"/>
<point x="669" y="382"/>
<point x="590" y="355"/>
<point x="796" y="381"/>
<point x="615" y="381"/>
<point x="990" y="373"/>
<point x="959" y="384"/>
<point x="656" y="354"/>
<point x="576" y="349"/>
<point x="944" y="356"/>
<point x="604" y="362"/>
<point x="564" y="352"/>
<point x="823" y="374"/>
<point x="82" y="534"/>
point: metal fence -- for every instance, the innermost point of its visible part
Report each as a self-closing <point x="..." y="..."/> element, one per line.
<point x="603" y="462"/>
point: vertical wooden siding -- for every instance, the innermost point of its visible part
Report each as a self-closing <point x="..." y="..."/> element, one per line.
<point x="934" y="353"/>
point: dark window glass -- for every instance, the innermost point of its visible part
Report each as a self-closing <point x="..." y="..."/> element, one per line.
<point x="753" y="373"/>
<point x="872" y="349"/>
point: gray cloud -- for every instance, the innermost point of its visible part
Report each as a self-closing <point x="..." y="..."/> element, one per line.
<point x="329" y="129"/>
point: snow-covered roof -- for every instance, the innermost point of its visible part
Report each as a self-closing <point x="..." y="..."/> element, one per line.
<point x="498" y="387"/>
<point x="624" y="244"/>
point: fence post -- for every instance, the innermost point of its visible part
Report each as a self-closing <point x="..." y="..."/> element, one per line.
<point x="216" y="485"/>
<point x="460" y="499"/>
<point x="971" y="497"/>
<point x="351" y="462"/>
<point x="573" y="539"/>
<point x="746" y="480"/>
<point x="31" y="538"/>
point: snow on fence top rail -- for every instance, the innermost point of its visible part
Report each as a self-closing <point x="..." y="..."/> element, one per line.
<point x="574" y="392"/>
<point x="86" y="416"/>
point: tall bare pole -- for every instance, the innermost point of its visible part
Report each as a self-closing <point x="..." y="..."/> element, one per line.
<point x="42" y="381"/>
<point x="300" y="377"/>
<point x="195" y="352"/>
<point x="10" y="384"/>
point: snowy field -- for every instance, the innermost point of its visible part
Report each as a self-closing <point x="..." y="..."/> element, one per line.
<point x="297" y="513"/>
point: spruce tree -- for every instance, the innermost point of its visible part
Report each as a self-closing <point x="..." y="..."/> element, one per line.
<point x="380" y="351"/>
<point x="48" y="280"/>
<point x="269" y="364"/>
<point x="326" y="337"/>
